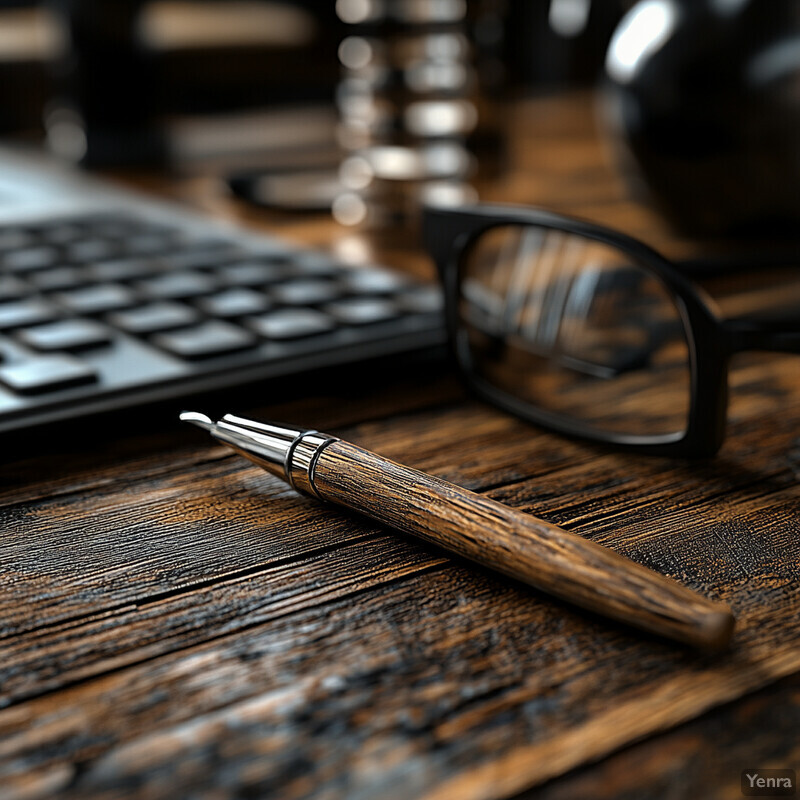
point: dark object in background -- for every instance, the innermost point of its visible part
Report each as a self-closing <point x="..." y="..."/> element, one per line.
<point x="703" y="96"/>
<point x="103" y="111"/>
<point x="557" y="44"/>
<point x="139" y="81"/>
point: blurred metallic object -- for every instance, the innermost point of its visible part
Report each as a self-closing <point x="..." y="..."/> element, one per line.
<point x="407" y="105"/>
<point x="704" y="99"/>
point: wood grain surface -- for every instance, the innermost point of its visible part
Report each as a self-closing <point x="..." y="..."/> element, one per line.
<point x="174" y="622"/>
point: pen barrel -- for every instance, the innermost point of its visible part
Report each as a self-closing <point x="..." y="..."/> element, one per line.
<point x="519" y="545"/>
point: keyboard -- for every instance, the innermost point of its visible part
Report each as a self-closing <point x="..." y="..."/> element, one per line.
<point x="129" y="301"/>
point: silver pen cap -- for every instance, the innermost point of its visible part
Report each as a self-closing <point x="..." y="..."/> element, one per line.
<point x="287" y="452"/>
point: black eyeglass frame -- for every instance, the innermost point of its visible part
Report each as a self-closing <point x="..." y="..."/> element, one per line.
<point x="449" y="234"/>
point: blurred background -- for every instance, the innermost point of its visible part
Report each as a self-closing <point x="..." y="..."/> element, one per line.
<point x="294" y="87"/>
<point x="176" y="58"/>
<point x="370" y="107"/>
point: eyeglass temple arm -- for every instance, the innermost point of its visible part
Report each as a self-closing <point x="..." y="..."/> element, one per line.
<point x="736" y="263"/>
<point x="779" y="336"/>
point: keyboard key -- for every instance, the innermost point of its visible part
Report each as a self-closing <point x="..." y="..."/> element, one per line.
<point x="11" y="288"/>
<point x="373" y="281"/>
<point x="150" y="244"/>
<point x="154" y="318"/>
<point x="14" y="239"/>
<point x="62" y="234"/>
<point x="177" y="285"/>
<point x="206" y="340"/>
<point x="122" y="269"/>
<point x="58" y="278"/>
<point x="215" y="253"/>
<point x="98" y="299"/>
<point x="91" y="250"/>
<point x="292" y="323"/>
<point x="304" y="293"/>
<point x="238" y="302"/>
<point x="362" y="310"/>
<point x="23" y="313"/>
<point x="31" y="258"/>
<point x="46" y="374"/>
<point x="251" y="273"/>
<point x="66" y="334"/>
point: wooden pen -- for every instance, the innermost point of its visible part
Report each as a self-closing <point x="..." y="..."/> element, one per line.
<point x="512" y="542"/>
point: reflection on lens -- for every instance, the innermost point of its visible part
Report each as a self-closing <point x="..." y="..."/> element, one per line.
<point x="577" y="329"/>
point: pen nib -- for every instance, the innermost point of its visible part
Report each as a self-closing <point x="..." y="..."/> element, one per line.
<point x="201" y="420"/>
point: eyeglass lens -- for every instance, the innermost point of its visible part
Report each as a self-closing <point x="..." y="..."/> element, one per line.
<point x="577" y="329"/>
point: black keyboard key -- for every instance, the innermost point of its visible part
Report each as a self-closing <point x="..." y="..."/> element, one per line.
<point x="22" y="313"/>
<point x="362" y="310"/>
<point x="204" y="255"/>
<point x="11" y="288"/>
<point x="237" y="302"/>
<point x="15" y="239"/>
<point x="58" y="278"/>
<point x="46" y="374"/>
<point x="374" y="281"/>
<point x="177" y="285"/>
<point x="91" y="250"/>
<point x="305" y="293"/>
<point x="150" y="244"/>
<point x="123" y="269"/>
<point x="98" y="299"/>
<point x="31" y="258"/>
<point x="292" y="323"/>
<point x="251" y="273"/>
<point x="154" y="318"/>
<point x="66" y="334"/>
<point x="204" y="341"/>
<point x="62" y="234"/>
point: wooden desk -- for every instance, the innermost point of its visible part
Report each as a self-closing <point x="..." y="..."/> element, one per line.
<point x="176" y="623"/>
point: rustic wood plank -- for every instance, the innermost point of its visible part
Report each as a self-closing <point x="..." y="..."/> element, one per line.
<point x="62" y="654"/>
<point x="577" y="495"/>
<point x="703" y="758"/>
<point x="443" y="656"/>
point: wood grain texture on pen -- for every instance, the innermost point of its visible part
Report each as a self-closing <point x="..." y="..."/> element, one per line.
<point x="519" y="545"/>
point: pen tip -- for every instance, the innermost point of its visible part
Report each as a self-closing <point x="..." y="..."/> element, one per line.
<point x="201" y="420"/>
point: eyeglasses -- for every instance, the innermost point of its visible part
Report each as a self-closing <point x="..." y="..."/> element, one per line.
<point x="588" y="331"/>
